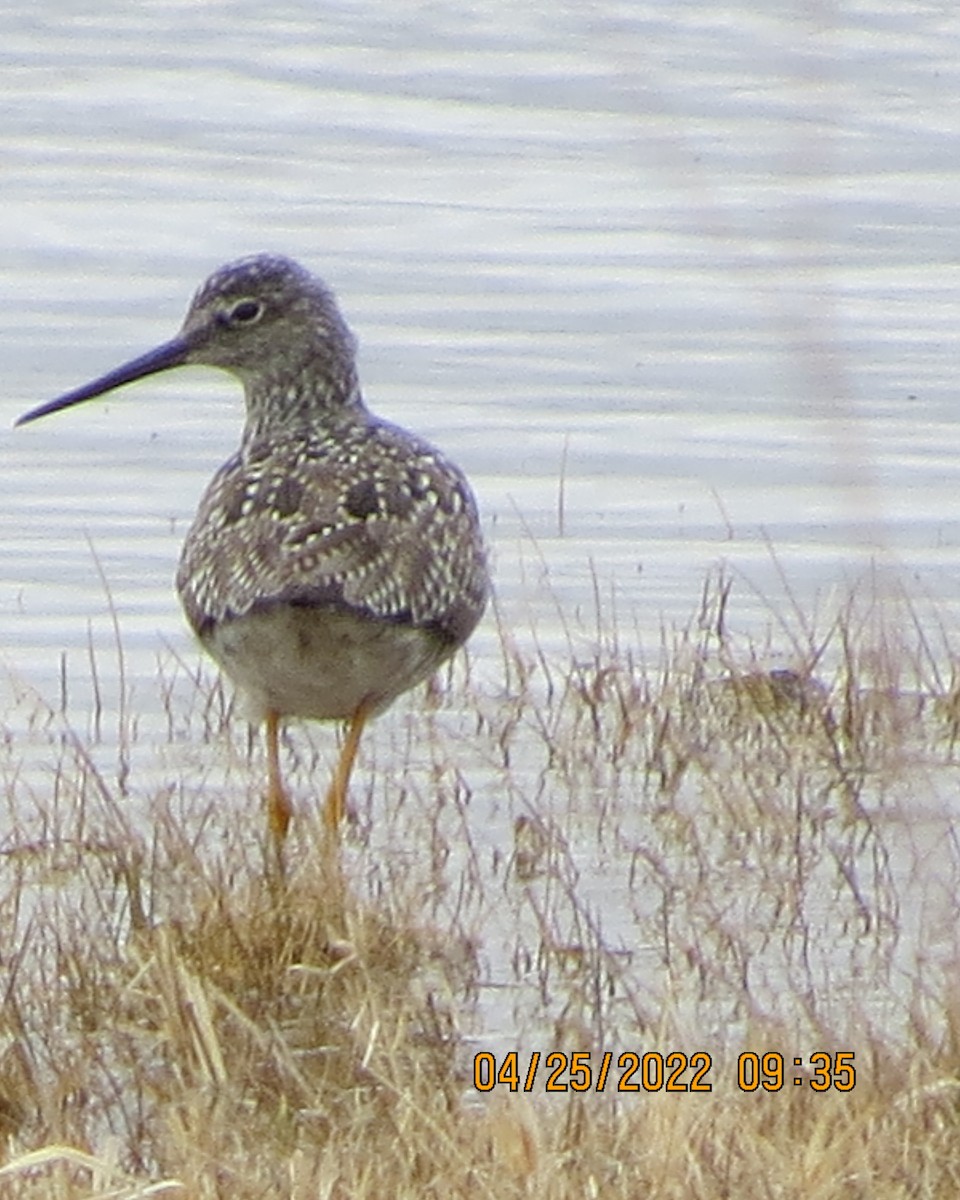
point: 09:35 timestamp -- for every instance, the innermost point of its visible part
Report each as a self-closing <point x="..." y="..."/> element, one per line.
<point x="652" y="1071"/>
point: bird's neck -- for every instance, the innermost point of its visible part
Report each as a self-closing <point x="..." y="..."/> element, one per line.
<point x="302" y="403"/>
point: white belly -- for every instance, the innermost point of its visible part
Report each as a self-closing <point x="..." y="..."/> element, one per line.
<point x="306" y="662"/>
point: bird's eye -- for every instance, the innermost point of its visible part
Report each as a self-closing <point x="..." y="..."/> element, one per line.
<point x="245" y="312"/>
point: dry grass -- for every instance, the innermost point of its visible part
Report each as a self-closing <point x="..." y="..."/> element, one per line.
<point x="688" y="852"/>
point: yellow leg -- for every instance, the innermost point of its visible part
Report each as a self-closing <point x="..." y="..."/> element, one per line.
<point x="336" y="804"/>
<point x="279" y="809"/>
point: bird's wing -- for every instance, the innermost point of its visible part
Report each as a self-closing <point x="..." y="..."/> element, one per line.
<point x="376" y="523"/>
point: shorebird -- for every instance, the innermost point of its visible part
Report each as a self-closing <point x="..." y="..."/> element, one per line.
<point x="335" y="560"/>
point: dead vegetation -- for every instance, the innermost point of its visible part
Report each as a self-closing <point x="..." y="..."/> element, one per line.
<point x="686" y="849"/>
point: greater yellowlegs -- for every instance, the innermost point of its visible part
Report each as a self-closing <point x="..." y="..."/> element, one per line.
<point x="335" y="560"/>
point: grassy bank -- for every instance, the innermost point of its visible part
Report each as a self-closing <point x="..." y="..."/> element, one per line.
<point x="708" y="846"/>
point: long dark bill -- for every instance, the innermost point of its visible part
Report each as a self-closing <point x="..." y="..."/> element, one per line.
<point x="170" y="354"/>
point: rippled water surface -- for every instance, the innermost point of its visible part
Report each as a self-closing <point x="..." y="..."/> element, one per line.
<point x="676" y="284"/>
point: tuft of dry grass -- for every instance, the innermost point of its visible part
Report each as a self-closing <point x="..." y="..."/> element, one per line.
<point x="718" y="846"/>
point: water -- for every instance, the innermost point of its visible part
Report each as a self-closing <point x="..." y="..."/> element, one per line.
<point x="676" y="285"/>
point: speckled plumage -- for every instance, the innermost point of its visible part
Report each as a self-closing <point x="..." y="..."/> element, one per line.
<point x="335" y="560"/>
<point x="365" y="519"/>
